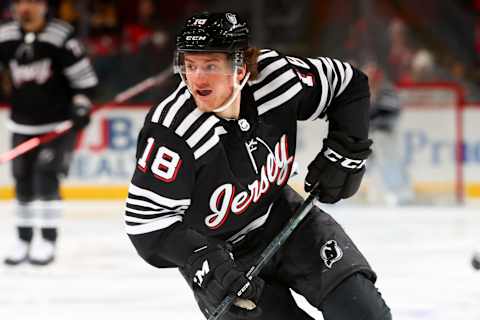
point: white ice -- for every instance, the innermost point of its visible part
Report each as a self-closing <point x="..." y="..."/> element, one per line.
<point x="421" y="254"/>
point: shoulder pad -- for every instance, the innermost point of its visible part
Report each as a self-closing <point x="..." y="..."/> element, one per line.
<point x="56" y="32"/>
<point x="180" y="115"/>
<point x="10" y="31"/>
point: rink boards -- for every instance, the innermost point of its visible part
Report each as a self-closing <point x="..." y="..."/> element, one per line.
<point x="104" y="157"/>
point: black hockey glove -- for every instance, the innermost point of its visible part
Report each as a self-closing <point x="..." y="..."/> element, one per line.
<point x="337" y="171"/>
<point x="215" y="275"/>
<point x="80" y="111"/>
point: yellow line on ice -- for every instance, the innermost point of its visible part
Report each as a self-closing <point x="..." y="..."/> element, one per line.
<point x="80" y="193"/>
<point x="106" y="192"/>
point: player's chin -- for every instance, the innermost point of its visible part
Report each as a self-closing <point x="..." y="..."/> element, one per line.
<point x="25" y="19"/>
<point x="205" y="105"/>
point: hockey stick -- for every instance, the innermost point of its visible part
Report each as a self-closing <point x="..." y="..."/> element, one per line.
<point x="268" y="253"/>
<point x="65" y="126"/>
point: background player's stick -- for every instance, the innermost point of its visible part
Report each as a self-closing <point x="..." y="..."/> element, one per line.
<point x="268" y="252"/>
<point x="67" y="125"/>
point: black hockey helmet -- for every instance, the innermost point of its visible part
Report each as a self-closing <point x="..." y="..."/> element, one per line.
<point x="216" y="32"/>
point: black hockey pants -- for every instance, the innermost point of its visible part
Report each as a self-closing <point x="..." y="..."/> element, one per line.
<point x="320" y="262"/>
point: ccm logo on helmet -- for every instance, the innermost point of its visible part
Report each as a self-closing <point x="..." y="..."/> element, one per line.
<point x="344" y="161"/>
<point x="195" y="38"/>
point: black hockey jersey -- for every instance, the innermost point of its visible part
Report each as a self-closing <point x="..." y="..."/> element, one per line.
<point x="220" y="177"/>
<point x="47" y="68"/>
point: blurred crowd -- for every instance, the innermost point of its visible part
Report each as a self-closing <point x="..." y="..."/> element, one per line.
<point x="411" y="41"/>
<point x="127" y="41"/>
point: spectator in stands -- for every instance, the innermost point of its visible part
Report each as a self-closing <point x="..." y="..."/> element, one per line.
<point x="145" y="44"/>
<point x="4" y="12"/>
<point x="459" y="76"/>
<point x="423" y="67"/>
<point x="401" y="52"/>
<point x="104" y="28"/>
<point x="104" y="16"/>
<point x="141" y="31"/>
<point x="68" y="12"/>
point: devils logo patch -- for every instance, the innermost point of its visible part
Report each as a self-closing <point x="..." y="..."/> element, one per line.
<point x="331" y="253"/>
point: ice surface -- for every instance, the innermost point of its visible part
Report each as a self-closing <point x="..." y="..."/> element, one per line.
<point x="422" y="257"/>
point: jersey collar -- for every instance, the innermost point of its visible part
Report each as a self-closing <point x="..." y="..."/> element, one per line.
<point x="245" y="126"/>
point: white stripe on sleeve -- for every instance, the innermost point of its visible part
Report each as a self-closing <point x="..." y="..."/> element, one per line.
<point x="268" y="54"/>
<point x="202" y="131"/>
<point x="206" y="146"/>
<point x="150" y="212"/>
<point x="142" y="203"/>
<point x="153" y="226"/>
<point x="324" y="88"/>
<point x="156" y="198"/>
<point x="330" y="74"/>
<point x="175" y="107"/>
<point x="348" y="77"/>
<point x="81" y="74"/>
<point x="147" y="220"/>
<point x="268" y="70"/>
<point x="274" y="84"/>
<point x="161" y="106"/>
<point x="210" y="142"/>
<point x="277" y="101"/>
<point x="89" y="82"/>
<point x="77" y="68"/>
<point x="188" y="121"/>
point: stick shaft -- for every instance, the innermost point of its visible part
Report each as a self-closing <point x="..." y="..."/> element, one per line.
<point x="269" y="252"/>
<point x="65" y="126"/>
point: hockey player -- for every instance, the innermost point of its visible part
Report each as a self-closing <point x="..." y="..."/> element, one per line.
<point x="213" y="160"/>
<point x="390" y="181"/>
<point x="51" y="82"/>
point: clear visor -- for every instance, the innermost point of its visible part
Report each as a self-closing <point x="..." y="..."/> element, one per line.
<point x="202" y="64"/>
<point x="191" y="64"/>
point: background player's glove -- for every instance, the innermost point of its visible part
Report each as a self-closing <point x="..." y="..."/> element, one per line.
<point x="337" y="171"/>
<point x="215" y="275"/>
<point x="81" y="108"/>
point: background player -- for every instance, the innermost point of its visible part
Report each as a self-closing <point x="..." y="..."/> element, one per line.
<point x="390" y="181"/>
<point x="209" y="191"/>
<point x="51" y="81"/>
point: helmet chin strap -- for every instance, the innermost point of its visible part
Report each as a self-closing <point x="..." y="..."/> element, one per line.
<point x="236" y="90"/>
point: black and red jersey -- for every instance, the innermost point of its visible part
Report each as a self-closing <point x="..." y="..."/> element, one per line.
<point x="221" y="177"/>
<point x="47" y="68"/>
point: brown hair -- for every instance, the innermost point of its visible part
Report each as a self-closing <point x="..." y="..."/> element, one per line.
<point x="251" y="57"/>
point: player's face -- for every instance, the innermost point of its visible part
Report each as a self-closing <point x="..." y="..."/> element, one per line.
<point x="210" y="78"/>
<point x="30" y="13"/>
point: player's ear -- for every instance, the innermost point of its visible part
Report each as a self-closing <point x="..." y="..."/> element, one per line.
<point x="241" y="72"/>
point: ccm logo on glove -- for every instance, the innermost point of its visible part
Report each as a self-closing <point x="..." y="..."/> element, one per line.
<point x="344" y="161"/>
<point x="337" y="170"/>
